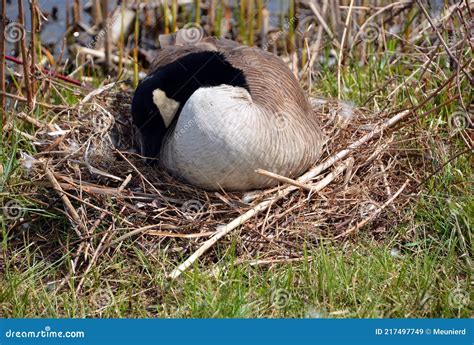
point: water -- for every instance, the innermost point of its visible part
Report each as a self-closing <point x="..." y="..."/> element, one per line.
<point x="53" y="30"/>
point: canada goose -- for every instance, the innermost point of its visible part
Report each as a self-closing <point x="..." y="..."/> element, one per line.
<point x="213" y="111"/>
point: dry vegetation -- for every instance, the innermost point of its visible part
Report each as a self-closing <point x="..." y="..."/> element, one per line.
<point x="75" y="189"/>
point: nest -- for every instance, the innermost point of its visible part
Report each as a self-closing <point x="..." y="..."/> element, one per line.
<point x="111" y="195"/>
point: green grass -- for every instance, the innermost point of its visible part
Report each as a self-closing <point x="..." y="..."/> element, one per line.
<point x="361" y="279"/>
<point x="421" y="268"/>
<point x="426" y="276"/>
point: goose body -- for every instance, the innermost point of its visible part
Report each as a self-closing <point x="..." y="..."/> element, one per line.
<point x="214" y="111"/>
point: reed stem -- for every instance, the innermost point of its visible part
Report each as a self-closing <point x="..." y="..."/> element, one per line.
<point x="135" y="47"/>
<point x="174" y="14"/>
<point x="77" y="10"/>
<point x="166" y="18"/>
<point x="198" y="12"/>
<point x="122" y="38"/>
<point x="250" y="21"/>
<point x="105" y="30"/>
<point x="33" y="45"/>
<point x="2" y="64"/>
<point x="291" y="25"/>
<point x="259" y="15"/>
<point x="24" y="55"/>
<point x="242" y="21"/>
<point x="218" y="20"/>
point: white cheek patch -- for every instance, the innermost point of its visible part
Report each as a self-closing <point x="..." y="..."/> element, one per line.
<point x="167" y="106"/>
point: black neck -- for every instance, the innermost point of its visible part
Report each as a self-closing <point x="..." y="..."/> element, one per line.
<point x="179" y="80"/>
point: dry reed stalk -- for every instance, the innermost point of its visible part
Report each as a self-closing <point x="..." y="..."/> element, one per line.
<point x="165" y="7"/>
<point x="67" y="21"/>
<point x="335" y="13"/>
<point x="440" y="168"/>
<point x="341" y="50"/>
<point x="250" y="21"/>
<point x="224" y="230"/>
<point x="260" y="7"/>
<point x="211" y="15"/>
<point x="30" y="120"/>
<point x="76" y="219"/>
<point x="292" y="11"/>
<point x="197" y="19"/>
<point x="23" y="99"/>
<point x="105" y="29"/>
<point x="24" y="55"/>
<point x="177" y="235"/>
<point x="242" y="20"/>
<point x="147" y="18"/>
<point x="157" y="233"/>
<point x="80" y="188"/>
<point x="135" y="46"/>
<point x="2" y="63"/>
<point x="96" y="253"/>
<point x="440" y="37"/>
<point x="90" y="189"/>
<point x="101" y="55"/>
<point x="33" y="47"/>
<point x="226" y="19"/>
<point x="121" y="41"/>
<point x="316" y="47"/>
<point x="264" y="28"/>
<point x="380" y="11"/>
<point x="374" y="214"/>
<point x="284" y="179"/>
<point x="77" y="255"/>
<point x="311" y="174"/>
<point x="97" y="12"/>
<point x="314" y="7"/>
<point x="76" y="10"/>
<point x="174" y="14"/>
